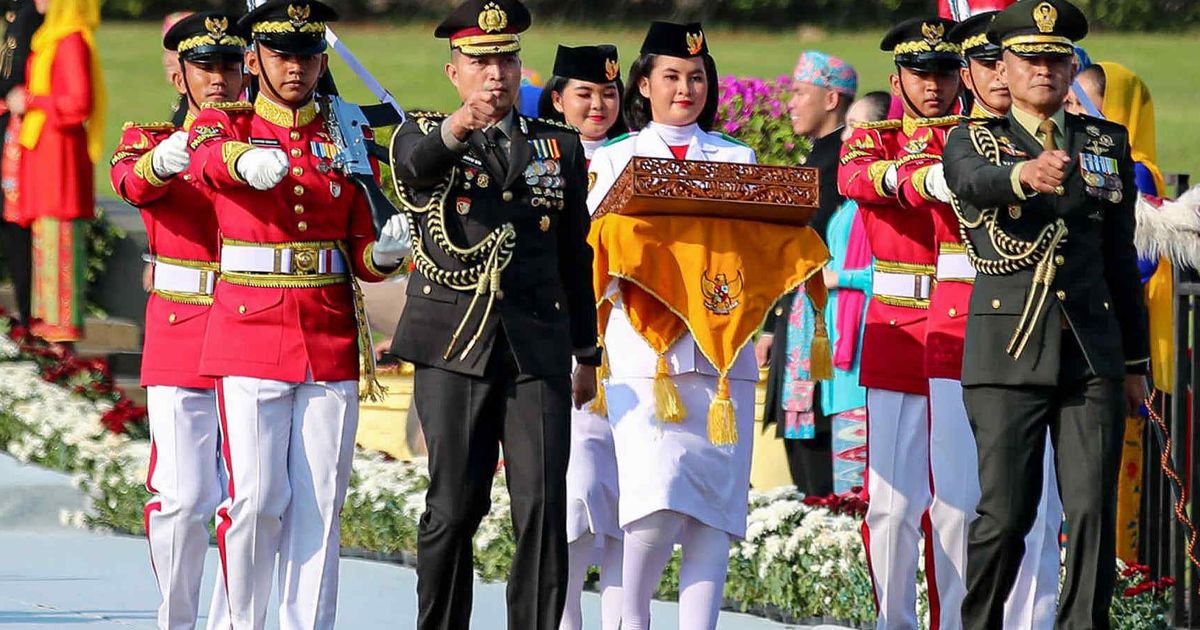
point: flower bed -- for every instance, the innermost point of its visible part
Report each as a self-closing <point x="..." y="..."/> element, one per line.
<point x="802" y="559"/>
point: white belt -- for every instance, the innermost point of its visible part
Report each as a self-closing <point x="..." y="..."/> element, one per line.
<point x="901" y="285"/>
<point x="179" y="279"/>
<point x="281" y="260"/>
<point x="954" y="267"/>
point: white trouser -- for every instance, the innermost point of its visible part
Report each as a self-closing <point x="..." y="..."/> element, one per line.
<point x="898" y="490"/>
<point x="954" y="465"/>
<point x="288" y="449"/>
<point x="183" y="479"/>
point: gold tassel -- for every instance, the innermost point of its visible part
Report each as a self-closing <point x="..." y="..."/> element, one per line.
<point x="722" y="421"/>
<point x="370" y="389"/>
<point x="821" y="352"/>
<point x="667" y="403"/>
<point x="599" y="405"/>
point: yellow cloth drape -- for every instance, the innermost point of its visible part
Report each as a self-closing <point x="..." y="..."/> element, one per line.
<point x="65" y="18"/>
<point x="714" y="278"/>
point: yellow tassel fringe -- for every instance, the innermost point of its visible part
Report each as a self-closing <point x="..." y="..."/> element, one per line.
<point x="599" y="405"/>
<point x="668" y="406"/>
<point x="821" y="353"/>
<point x="722" y="421"/>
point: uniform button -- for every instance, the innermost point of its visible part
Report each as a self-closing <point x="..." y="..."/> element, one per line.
<point x="296" y="153"/>
<point x="953" y="312"/>
<point x="995" y="303"/>
<point x="187" y="178"/>
<point x="779" y="312"/>
<point x="426" y="290"/>
<point x="892" y="323"/>
<point x="295" y="135"/>
<point x="302" y="226"/>
<point x="1060" y="260"/>
<point x="1062" y="295"/>
<point x="1106" y="306"/>
<point x="171" y="318"/>
<point x="557" y="307"/>
<point x="242" y="309"/>
<point x="298" y="209"/>
<point x="298" y="190"/>
<point x="297" y="171"/>
<point x="507" y="196"/>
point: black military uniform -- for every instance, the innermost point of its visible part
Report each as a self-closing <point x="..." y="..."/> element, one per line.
<point x="21" y="20"/>
<point x="500" y="298"/>
<point x="1057" y="320"/>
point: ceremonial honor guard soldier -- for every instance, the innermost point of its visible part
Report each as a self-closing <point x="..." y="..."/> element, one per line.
<point x="285" y="330"/>
<point x="1057" y="334"/>
<point x="500" y="299"/>
<point x="926" y="81"/>
<point x="149" y="171"/>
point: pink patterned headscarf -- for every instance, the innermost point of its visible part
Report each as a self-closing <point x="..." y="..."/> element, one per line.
<point x="825" y="70"/>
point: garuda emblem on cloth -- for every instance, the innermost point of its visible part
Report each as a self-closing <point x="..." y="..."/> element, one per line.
<point x="720" y="294"/>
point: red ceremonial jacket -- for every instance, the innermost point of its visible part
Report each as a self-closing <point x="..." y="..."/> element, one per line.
<point x="275" y="332"/>
<point x="57" y="175"/>
<point x="947" y="325"/>
<point x="894" y="338"/>
<point x="181" y="227"/>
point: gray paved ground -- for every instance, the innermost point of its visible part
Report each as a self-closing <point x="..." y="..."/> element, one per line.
<point x="56" y="577"/>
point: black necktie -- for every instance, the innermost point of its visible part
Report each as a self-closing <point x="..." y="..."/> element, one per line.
<point x="494" y="145"/>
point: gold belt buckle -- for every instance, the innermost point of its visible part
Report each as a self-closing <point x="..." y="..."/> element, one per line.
<point x="304" y="260"/>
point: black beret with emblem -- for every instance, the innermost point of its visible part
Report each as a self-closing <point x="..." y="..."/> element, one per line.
<point x="295" y="27"/>
<point x="922" y="44"/>
<point x="485" y="27"/>
<point x="971" y="36"/>
<point x="207" y="36"/>
<point x="595" y="64"/>
<point x="675" y="40"/>
<point x="1039" y="28"/>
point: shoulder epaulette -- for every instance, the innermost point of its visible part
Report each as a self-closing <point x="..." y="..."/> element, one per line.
<point x="234" y="106"/>
<point x="428" y="115"/>
<point x="154" y="126"/>
<point x="941" y="121"/>
<point x="555" y="123"/>
<point x="733" y="140"/>
<point x="879" y="124"/>
<point x="620" y="138"/>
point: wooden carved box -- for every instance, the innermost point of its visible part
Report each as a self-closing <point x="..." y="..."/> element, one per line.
<point x="782" y="195"/>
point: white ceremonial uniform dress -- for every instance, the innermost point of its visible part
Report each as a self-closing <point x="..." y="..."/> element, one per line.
<point x="592" y="470"/>
<point x="665" y="466"/>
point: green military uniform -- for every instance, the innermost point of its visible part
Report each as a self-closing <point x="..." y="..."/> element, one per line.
<point x="1057" y="320"/>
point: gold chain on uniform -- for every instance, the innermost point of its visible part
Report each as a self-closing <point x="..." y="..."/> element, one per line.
<point x="1016" y="254"/>
<point x="483" y="262"/>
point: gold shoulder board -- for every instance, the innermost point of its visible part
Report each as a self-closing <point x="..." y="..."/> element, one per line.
<point x="879" y="124"/>
<point x="154" y="126"/>
<point x="235" y="106"/>
<point x="943" y="121"/>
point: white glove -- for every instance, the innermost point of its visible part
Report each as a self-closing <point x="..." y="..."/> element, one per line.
<point x="263" y="168"/>
<point x="394" y="243"/>
<point x="171" y="156"/>
<point x="935" y="183"/>
<point x="889" y="179"/>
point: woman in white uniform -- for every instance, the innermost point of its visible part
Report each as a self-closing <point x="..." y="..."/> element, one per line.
<point x="676" y="486"/>
<point x="585" y="92"/>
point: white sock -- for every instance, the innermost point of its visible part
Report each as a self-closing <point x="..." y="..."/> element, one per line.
<point x="611" y="592"/>
<point x="649" y="542"/>
<point x="579" y="559"/>
<point x="702" y="576"/>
